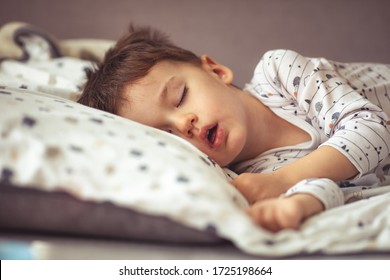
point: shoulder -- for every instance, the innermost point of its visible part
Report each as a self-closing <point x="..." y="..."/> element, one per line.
<point x="273" y="62"/>
<point x="276" y="65"/>
<point x="279" y="55"/>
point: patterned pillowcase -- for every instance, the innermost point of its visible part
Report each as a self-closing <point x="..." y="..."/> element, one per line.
<point x="55" y="145"/>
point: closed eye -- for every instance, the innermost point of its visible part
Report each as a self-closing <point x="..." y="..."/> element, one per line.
<point x="182" y="97"/>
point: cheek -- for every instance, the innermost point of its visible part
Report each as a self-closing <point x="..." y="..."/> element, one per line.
<point x="236" y="145"/>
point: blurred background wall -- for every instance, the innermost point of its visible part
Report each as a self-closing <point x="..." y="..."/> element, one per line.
<point x="234" y="32"/>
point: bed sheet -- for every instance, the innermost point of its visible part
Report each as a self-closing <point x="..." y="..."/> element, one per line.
<point x="55" y="247"/>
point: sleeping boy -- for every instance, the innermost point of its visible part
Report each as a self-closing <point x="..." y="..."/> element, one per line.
<point x="298" y="131"/>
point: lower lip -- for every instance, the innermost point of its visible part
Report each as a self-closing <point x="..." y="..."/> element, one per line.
<point x="218" y="138"/>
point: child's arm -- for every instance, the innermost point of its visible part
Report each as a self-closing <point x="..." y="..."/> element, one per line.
<point x="343" y="118"/>
<point x="303" y="200"/>
<point x="325" y="162"/>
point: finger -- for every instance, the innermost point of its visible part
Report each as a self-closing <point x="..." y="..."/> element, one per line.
<point x="285" y="220"/>
<point x="290" y="214"/>
<point x="264" y="215"/>
<point x="270" y="220"/>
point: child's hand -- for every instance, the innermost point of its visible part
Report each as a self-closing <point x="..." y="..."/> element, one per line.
<point x="324" y="162"/>
<point x="276" y="214"/>
<point x="257" y="186"/>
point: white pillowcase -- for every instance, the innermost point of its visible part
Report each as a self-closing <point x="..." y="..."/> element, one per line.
<point x="55" y="144"/>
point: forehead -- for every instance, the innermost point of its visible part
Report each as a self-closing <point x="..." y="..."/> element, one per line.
<point x="158" y="75"/>
<point x="138" y="96"/>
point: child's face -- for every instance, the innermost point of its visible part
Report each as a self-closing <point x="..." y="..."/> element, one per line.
<point x="196" y="103"/>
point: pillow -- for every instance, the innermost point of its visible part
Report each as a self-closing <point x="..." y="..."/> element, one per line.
<point x="68" y="168"/>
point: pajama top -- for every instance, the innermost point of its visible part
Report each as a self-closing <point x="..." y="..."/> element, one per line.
<point x="341" y="105"/>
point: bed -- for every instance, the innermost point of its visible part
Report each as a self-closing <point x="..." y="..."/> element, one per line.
<point x="78" y="183"/>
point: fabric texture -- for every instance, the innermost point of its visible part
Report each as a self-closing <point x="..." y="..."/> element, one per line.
<point x="19" y="41"/>
<point x="31" y="210"/>
<point x="338" y="105"/>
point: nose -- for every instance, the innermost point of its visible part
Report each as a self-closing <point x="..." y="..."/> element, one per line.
<point x="185" y="124"/>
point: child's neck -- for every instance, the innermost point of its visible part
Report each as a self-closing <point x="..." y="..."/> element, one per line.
<point x="267" y="131"/>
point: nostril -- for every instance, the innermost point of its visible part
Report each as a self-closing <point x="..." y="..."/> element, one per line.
<point x="187" y="124"/>
<point x="189" y="132"/>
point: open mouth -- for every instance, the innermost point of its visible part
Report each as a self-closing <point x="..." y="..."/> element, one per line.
<point x="212" y="134"/>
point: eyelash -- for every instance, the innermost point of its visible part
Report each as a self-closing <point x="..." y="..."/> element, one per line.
<point x="183" y="96"/>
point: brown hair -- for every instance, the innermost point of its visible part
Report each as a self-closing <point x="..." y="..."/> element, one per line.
<point x="129" y="60"/>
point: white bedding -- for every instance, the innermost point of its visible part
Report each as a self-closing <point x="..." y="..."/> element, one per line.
<point x="210" y="203"/>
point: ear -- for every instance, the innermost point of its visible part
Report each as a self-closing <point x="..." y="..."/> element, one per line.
<point x="223" y="72"/>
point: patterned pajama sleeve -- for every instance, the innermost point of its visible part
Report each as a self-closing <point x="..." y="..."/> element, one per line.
<point x="315" y="90"/>
<point x="327" y="191"/>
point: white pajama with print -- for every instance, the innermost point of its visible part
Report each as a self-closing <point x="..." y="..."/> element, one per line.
<point x="342" y="105"/>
